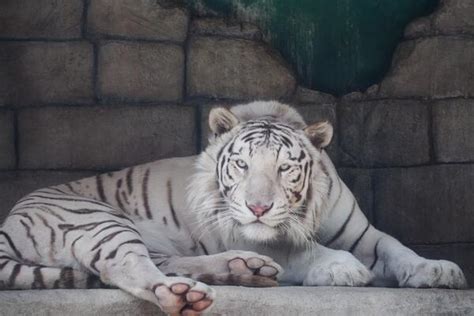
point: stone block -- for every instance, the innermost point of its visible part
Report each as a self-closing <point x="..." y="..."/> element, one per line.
<point x="438" y="67"/>
<point x="462" y="254"/>
<point x="142" y="19"/>
<point x="104" y="137"/>
<point x="7" y="140"/>
<point x="454" y="17"/>
<point x="304" y="95"/>
<point x="16" y="184"/>
<point x="425" y="204"/>
<point x="225" y="27"/>
<point x="130" y="71"/>
<point x="384" y="133"/>
<point x="453" y="130"/>
<point x="359" y="181"/>
<point x="45" y="19"/>
<point x="35" y="73"/>
<point x="236" y="69"/>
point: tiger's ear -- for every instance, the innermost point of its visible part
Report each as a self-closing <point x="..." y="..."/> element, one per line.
<point x="320" y="134"/>
<point x="221" y="120"/>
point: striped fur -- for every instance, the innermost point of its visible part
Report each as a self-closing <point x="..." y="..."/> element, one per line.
<point x="148" y="229"/>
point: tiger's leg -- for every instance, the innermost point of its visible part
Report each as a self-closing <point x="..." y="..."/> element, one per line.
<point x="395" y="264"/>
<point x="233" y="267"/>
<point x="322" y="266"/>
<point x="99" y="239"/>
<point x="392" y="263"/>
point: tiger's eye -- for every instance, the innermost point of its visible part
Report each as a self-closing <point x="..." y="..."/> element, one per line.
<point x="241" y="164"/>
<point x="284" y="167"/>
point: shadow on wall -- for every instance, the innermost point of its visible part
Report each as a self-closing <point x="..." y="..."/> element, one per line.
<point x="334" y="46"/>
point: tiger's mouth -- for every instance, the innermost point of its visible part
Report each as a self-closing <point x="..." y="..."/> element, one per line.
<point x="258" y="231"/>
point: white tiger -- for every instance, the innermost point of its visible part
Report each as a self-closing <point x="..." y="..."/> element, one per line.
<point x="263" y="202"/>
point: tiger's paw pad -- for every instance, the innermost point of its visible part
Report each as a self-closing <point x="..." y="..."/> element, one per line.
<point x="184" y="296"/>
<point x="434" y="273"/>
<point x="339" y="273"/>
<point x="251" y="263"/>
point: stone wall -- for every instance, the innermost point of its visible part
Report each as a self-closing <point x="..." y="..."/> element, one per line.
<point x="89" y="86"/>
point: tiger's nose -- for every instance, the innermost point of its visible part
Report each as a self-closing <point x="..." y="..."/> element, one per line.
<point x="259" y="209"/>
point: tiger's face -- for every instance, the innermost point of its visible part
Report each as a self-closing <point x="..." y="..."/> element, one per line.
<point x="265" y="173"/>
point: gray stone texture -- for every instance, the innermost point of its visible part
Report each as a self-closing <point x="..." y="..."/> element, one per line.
<point x="213" y="26"/>
<point x="103" y="137"/>
<point x="307" y="96"/>
<point x="138" y="19"/>
<point x="236" y="69"/>
<point x="35" y="73"/>
<point x="426" y="204"/>
<point x="130" y="71"/>
<point x="233" y="300"/>
<point x="359" y="181"/>
<point x="462" y="254"/>
<point x="439" y="67"/>
<point x="16" y="184"/>
<point x="453" y="17"/>
<point x="45" y="19"/>
<point x="453" y="130"/>
<point x="7" y="140"/>
<point x="384" y="133"/>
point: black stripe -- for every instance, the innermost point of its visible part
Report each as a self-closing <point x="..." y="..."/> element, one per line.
<point x="376" y="254"/>
<point x="113" y="253"/>
<point x="70" y="187"/>
<point x="117" y="195"/>
<point x="108" y="238"/>
<point x="15" y="272"/>
<point x="95" y="259"/>
<point x="38" y="282"/>
<point x="66" y="279"/>
<point x="12" y="245"/>
<point x="7" y="261"/>
<point x="145" y="194"/>
<point x="100" y="188"/>
<point x="204" y="248"/>
<point x="53" y="233"/>
<point x="115" y="225"/>
<point x="77" y="199"/>
<point x="343" y="227"/>
<point x="170" y="203"/>
<point x="30" y="236"/>
<point x="129" y="180"/>
<point x="354" y="245"/>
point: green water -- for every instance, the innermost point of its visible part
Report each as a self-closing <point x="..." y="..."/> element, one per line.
<point x="335" y="46"/>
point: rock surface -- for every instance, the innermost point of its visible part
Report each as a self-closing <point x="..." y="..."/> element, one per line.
<point x="45" y="72"/>
<point x="236" y="69"/>
<point x="153" y="71"/>
<point x="7" y="146"/>
<point x="103" y="138"/>
<point x="143" y="19"/>
<point x="250" y="301"/>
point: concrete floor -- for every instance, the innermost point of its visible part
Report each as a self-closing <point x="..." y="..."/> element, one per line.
<point x="250" y="301"/>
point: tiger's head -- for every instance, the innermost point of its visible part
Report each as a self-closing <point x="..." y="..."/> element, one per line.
<point x="262" y="173"/>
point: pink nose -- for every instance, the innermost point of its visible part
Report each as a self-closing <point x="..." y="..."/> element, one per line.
<point x="259" y="209"/>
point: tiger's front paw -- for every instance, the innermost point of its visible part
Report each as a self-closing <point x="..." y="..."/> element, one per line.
<point x="251" y="263"/>
<point x="184" y="296"/>
<point x="344" y="270"/>
<point x="433" y="273"/>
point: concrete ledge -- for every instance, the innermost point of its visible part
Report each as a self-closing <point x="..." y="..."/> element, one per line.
<point x="249" y="301"/>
